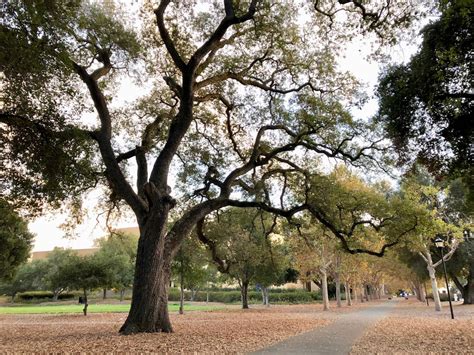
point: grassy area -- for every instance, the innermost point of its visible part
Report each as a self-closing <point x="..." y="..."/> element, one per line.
<point x="93" y="308"/>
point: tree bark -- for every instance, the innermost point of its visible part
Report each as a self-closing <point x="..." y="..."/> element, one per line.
<point x="244" y="294"/>
<point x="324" y="289"/>
<point x="149" y="308"/>
<point x="347" y="290"/>
<point x="55" y="295"/>
<point x="338" y="289"/>
<point x="434" y="287"/>
<point x="104" y="294"/>
<point x="181" y="289"/>
<point x="468" y="294"/>
<point x="265" y="296"/>
<point x="122" y="294"/>
<point x="467" y="290"/>
<point x="86" y="303"/>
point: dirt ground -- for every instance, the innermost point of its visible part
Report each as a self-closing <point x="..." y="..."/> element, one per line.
<point x="227" y="331"/>
<point x="413" y="327"/>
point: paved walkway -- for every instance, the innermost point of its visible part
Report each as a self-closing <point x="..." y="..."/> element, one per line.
<point x="336" y="338"/>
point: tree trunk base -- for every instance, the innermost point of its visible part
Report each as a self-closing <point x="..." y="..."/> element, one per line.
<point x="132" y="328"/>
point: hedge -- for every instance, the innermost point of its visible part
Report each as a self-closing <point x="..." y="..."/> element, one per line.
<point x="290" y="296"/>
<point x="38" y="295"/>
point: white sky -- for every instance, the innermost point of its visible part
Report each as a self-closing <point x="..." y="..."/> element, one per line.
<point x="47" y="228"/>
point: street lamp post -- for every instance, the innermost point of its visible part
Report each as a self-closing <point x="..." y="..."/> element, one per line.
<point x="440" y="245"/>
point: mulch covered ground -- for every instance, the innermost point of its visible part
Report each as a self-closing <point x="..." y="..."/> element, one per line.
<point x="414" y="327"/>
<point x="229" y="331"/>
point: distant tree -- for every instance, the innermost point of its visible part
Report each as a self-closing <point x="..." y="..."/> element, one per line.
<point x="314" y="251"/>
<point x="119" y="252"/>
<point x="432" y="222"/>
<point x="189" y="268"/>
<point x="57" y="260"/>
<point x="85" y="273"/>
<point x="15" y="240"/>
<point x="458" y="206"/>
<point x="26" y="278"/>
<point x="241" y="246"/>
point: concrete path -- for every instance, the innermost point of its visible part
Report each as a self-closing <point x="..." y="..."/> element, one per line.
<point x="335" y="338"/>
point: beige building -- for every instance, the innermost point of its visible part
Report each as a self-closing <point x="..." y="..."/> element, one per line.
<point x="38" y="255"/>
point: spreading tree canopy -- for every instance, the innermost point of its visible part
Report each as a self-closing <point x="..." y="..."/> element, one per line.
<point x="236" y="95"/>
<point x="427" y="104"/>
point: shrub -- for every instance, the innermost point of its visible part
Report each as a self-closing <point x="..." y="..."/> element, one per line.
<point x="444" y="297"/>
<point x="42" y="295"/>
<point x="280" y="296"/>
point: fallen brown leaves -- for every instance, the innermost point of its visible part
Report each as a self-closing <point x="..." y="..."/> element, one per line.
<point x="227" y="331"/>
<point x="414" y="327"/>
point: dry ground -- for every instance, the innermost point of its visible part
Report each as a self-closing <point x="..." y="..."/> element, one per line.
<point x="414" y="328"/>
<point x="227" y="331"/>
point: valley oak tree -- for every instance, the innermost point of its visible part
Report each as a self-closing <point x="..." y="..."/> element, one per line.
<point x="234" y="97"/>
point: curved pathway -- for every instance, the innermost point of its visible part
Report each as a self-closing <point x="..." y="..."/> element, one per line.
<point x="335" y="338"/>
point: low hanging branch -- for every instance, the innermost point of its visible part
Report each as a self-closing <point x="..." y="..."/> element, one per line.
<point x="222" y="265"/>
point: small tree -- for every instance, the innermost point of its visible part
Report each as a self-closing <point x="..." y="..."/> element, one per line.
<point x="85" y="273"/>
<point x="189" y="268"/>
<point x="119" y="251"/>
<point x="58" y="259"/>
<point x="28" y="277"/>
<point x="241" y="247"/>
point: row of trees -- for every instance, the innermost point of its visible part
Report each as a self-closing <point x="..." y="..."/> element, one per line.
<point x="250" y="247"/>
<point x="110" y="267"/>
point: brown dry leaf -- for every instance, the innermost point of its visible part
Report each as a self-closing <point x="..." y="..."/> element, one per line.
<point x="414" y="328"/>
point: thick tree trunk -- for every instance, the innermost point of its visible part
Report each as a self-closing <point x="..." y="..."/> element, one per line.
<point x="355" y="293"/>
<point x="104" y="294"/>
<point x="122" y="294"/>
<point x="86" y="303"/>
<point x="149" y="308"/>
<point x="468" y="294"/>
<point x="467" y="290"/>
<point x="324" y="289"/>
<point x="244" y="294"/>
<point x="420" y="292"/>
<point x="347" y="290"/>
<point x="434" y="287"/>
<point x="338" y="289"/>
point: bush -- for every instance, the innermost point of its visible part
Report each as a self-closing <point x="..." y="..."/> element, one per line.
<point x="42" y="295"/>
<point x="280" y="296"/>
<point x="444" y="297"/>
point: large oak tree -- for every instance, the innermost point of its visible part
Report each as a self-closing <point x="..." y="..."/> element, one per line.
<point x="239" y="95"/>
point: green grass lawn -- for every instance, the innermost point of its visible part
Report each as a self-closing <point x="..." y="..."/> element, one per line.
<point x="93" y="308"/>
